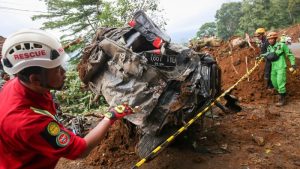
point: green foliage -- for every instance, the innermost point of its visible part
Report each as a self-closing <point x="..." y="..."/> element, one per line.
<point x="83" y="17"/>
<point x="227" y="18"/>
<point x="236" y="18"/>
<point x="126" y="8"/>
<point x="71" y="17"/>
<point x="73" y="99"/>
<point x="294" y="10"/>
<point x="207" y="29"/>
<point x="279" y="11"/>
<point x="254" y="14"/>
<point x="270" y="14"/>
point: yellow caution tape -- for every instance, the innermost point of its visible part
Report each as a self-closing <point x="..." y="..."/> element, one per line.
<point x="172" y="137"/>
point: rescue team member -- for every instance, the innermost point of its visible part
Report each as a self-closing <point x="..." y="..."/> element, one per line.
<point x="277" y="51"/>
<point x="30" y="135"/>
<point x="286" y="39"/>
<point x="263" y="44"/>
<point x="283" y="38"/>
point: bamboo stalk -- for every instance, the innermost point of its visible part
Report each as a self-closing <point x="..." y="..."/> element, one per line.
<point x="246" y="58"/>
<point x="233" y="65"/>
<point x="248" y="41"/>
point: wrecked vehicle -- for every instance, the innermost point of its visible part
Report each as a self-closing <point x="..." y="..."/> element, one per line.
<point x="139" y="65"/>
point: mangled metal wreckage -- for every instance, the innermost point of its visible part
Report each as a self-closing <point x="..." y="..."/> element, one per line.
<point x="139" y="65"/>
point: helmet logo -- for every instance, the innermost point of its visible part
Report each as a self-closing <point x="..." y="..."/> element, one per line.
<point x="60" y="50"/>
<point x="27" y="55"/>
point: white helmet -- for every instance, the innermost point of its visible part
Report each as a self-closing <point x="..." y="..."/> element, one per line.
<point x="289" y="40"/>
<point x="31" y="47"/>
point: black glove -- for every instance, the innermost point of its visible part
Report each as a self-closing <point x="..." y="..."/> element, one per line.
<point x="259" y="57"/>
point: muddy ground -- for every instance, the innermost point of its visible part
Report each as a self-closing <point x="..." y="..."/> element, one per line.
<point x="260" y="136"/>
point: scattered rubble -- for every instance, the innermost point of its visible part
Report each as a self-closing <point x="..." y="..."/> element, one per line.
<point x="197" y="44"/>
<point x="258" y="139"/>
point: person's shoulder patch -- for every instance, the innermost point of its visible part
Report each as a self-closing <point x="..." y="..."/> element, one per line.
<point x="53" y="128"/>
<point x="55" y="135"/>
<point x="62" y="139"/>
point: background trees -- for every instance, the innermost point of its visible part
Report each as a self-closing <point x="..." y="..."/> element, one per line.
<point x="294" y="10"/>
<point x="207" y="29"/>
<point x="227" y="18"/>
<point x="84" y="17"/>
<point x="255" y="14"/>
<point x="246" y="16"/>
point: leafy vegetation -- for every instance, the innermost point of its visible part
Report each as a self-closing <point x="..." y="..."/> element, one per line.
<point x="227" y="18"/>
<point x="74" y="98"/>
<point x="235" y="18"/>
<point x="207" y="29"/>
<point x="84" y="17"/>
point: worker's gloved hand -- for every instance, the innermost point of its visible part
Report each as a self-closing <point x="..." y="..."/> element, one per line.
<point x="259" y="57"/>
<point x="118" y="112"/>
<point x="293" y="69"/>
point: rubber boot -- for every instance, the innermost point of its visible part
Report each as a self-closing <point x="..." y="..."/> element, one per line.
<point x="281" y="101"/>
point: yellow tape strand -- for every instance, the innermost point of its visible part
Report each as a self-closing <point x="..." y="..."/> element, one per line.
<point x="157" y="149"/>
<point x="172" y="137"/>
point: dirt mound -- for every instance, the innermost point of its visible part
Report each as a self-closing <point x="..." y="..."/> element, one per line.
<point x="235" y="62"/>
<point x="293" y="32"/>
<point x="117" y="146"/>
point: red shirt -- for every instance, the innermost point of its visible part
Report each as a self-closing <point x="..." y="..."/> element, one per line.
<point x="30" y="137"/>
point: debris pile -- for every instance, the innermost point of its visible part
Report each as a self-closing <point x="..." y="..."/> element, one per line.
<point x="197" y="44"/>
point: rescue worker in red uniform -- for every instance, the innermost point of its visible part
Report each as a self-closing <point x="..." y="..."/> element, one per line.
<point x="30" y="135"/>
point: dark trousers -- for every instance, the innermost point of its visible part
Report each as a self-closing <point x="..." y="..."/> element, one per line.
<point x="268" y="67"/>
